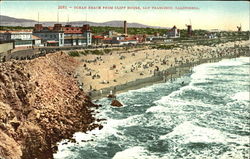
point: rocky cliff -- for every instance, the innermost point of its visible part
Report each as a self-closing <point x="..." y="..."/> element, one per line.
<point x="40" y="104"/>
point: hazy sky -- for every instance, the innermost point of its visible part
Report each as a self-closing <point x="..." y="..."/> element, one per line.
<point x="224" y="15"/>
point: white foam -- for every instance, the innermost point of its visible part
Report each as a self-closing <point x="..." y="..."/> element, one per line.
<point x="189" y="133"/>
<point x="242" y="96"/>
<point x="236" y="153"/>
<point x="63" y="150"/>
<point x="204" y="72"/>
<point x="136" y="152"/>
<point x="110" y="128"/>
<point x="130" y="153"/>
<point x="201" y="71"/>
<point x="171" y="97"/>
<point x="170" y="104"/>
<point x="156" y="109"/>
<point x="233" y="62"/>
<point x="145" y="89"/>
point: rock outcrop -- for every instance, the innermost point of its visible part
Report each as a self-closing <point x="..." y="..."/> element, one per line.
<point x="116" y="103"/>
<point x="40" y="104"/>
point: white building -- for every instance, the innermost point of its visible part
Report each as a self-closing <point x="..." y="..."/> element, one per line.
<point x="59" y="35"/>
<point x="21" y="38"/>
<point x="50" y="36"/>
<point x="173" y="33"/>
<point x="121" y="40"/>
<point x="37" y="41"/>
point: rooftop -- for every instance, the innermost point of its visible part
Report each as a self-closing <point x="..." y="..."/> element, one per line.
<point x="16" y="31"/>
<point x="35" y="37"/>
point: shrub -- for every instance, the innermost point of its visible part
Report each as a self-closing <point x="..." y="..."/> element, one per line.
<point x="87" y="52"/>
<point x="97" y="52"/>
<point x="106" y="51"/>
<point x="74" y="53"/>
<point x="83" y="52"/>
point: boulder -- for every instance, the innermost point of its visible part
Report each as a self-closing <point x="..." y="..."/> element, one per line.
<point x="116" y="103"/>
<point x="111" y="96"/>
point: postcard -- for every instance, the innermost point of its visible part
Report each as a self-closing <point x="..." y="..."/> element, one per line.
<point x="124" y="79"/>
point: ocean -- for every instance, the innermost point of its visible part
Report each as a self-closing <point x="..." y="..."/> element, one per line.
<point x="206" y="117"/>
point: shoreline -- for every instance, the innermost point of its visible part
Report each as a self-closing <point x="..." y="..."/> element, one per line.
<point x="117" y="71"/>
<point x="159" y="77"/>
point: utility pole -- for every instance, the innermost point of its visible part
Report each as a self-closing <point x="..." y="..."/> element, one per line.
<point x="57" y="17"/>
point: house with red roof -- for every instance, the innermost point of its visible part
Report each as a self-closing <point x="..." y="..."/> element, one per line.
<point x="97" y="39"/>
<point x="67" y="35"/>
<point x="77" y="35"/>
<point x="122" y="40"/>
<point x="50" y="36"/>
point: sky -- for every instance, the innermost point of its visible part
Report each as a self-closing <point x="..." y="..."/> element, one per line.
<point x="223" y="15"/>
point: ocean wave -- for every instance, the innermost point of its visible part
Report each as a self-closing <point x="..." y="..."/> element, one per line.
<point x="157" y="109"/>
<point x="109" y="128"/>
<point x="206" y="72"/>
<point x="146" y="89"/>
<point x="245" y="96"/>
<point x="64" y="150"/>
<point x="172" y="95"/>
<point x="137" y="152"/>
<point x="131" y="153"/>
<point x="232" y="62"/>
<point x="189" y="133"/>
<point x="202" y="71"/>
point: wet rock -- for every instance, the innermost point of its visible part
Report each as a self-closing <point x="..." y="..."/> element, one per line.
<point x="98" y="120"/>
<point x="100" y="127"/>
<point x="111" y="96"/>
<point x="116" y="103"/>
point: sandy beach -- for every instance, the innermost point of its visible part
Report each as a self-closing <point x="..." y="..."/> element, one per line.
<point x="97" y="72"/>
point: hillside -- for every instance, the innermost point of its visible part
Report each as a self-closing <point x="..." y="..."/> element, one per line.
<point x="40" y="104"/>
<point x="11" y="21"/>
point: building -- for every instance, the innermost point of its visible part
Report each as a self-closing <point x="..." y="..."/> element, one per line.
<point x="50" y="36"/>
<point x="156" y="34"/>
<point x="37" y="41"/>
<point x="97" y="39"/>
<point x="158" y="39"/>
<point x="67" y="35"/>
<point x="211" y="35"/>
<point x="109" y="34"/>
<point x="140" y="38"/>
<point x="173" y="32"/>
<point x="5" y="49"/>
<point x="239" y="28"/>
<point x="122" y="40"/>
<point x="77" y="35"/>
<point x="21" y="38"/>
<point x="107" y="40"/>
<point x="189" y="30"/>
<point x="125" y="29"/>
